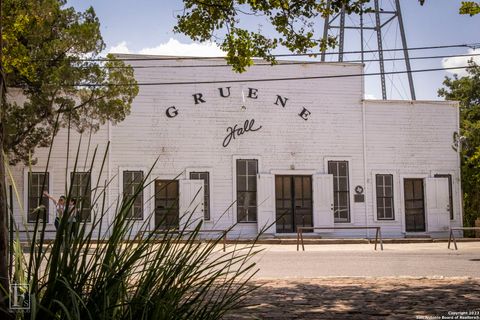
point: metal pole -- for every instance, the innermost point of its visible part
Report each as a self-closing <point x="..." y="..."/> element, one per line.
<point x="405" y="51"/>
<point x="10" y="251"/>
<point x="342" y="35"/>
<point x="361" y="37"/>
<point x="378" y="28"/>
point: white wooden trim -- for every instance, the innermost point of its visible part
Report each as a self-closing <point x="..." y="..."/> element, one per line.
<point x="146" y="195"/>
<point x="210" y="185"/>
<point x="294" y="172"/>
<point x="455" y="192"/>
<point x="396" y="196"/>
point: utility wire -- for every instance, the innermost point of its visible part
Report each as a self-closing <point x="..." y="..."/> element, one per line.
<point x="260" y="80"/>
<point x="465" y="45"/>
<point x="280" y="62"/>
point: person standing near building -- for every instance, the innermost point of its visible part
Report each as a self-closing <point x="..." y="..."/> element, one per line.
<point x="59" y="207"/>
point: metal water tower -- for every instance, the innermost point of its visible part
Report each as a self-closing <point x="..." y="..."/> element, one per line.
<point x="371" y="24"/>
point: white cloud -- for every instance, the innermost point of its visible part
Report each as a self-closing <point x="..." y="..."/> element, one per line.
<point x="460" y="62"/>
<point x="120" y="48"/>
<point x="175" y="48"/>
<point x="369" y="96"/>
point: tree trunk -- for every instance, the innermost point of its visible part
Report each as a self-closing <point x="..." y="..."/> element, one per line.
<point x="4" y="277"/>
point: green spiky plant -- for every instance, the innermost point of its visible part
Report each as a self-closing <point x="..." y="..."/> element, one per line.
<point x="91" y="273"/>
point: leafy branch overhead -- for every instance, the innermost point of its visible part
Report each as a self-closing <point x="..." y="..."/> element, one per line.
<point x="298" y="25"/>
<point x="470" y="7"/>
<point x="295" y="22"/>
<point x="47" y="49"/>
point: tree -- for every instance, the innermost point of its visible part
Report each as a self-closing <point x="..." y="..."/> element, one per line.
<point x="50" y="57"/>
<point x="470" y="7"/>
<point x="48" y="51"/>
<point x="294" y="21"/>
<point x="467" y="91"/>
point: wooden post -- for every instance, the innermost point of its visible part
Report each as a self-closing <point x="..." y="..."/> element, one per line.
<point x="477" y="224"/>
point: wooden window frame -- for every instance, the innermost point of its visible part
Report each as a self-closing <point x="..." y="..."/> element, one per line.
<point x="392" y="197"/>
<point x="132" y="191"/>
<point x="237" y="192"/>
<point x="79" y="202"/>
<point x="349" y="200"/>
<point x="28" y="195"/>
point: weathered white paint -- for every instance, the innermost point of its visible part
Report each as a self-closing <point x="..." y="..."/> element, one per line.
<point x="191" y="206"/>
<point x="438" y="213"/>
<point x="323" y="201"/>
<point x="403" y="138"/>
<point x="266" y="203"/>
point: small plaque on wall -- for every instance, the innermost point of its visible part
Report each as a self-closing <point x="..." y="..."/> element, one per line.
<point x="359" y="198"/>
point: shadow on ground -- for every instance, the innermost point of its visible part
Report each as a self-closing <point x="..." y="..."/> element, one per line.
<point x="357" y="298"/>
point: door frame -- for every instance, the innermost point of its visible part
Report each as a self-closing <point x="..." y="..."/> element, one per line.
<point x="456" y="195"/>
<point x="151" y="202"/>
<point x="404" y="176"/>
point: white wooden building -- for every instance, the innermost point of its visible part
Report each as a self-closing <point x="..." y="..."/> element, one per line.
<point x="309" y="151"/>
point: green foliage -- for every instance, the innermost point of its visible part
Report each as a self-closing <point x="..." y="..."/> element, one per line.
<point x="295" y="22"/>
<point x="470" y="7"/>
<point x="46" y="53"/>
<point x="100" y="271"/>
<point x="467" y="91"/>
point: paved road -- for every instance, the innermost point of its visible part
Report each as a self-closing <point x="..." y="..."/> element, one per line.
<point x="360" y="260"/>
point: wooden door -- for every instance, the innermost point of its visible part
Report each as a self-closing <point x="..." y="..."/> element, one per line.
<point x="414" y="205"/>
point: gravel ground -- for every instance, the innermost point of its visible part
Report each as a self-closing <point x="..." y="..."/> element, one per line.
<point x="363" y="298"/>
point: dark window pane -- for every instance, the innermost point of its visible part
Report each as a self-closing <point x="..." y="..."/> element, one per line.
<point x="388" y="191"/>
<point x="252" y="182"/>
<point x="241" y="183"/>
<point x="252" y="167"/>
<point x="342" y="168"/>
<point x="81" y="192"/>
<point x="418" y="189"/>
<point x="241" y="167"/>
<point x="307" y="188"/>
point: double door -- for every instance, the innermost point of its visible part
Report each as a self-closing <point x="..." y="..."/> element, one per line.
<point x="293" y="195"/>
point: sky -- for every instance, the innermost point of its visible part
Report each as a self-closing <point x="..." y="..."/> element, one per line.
<point x="146" y="27"/>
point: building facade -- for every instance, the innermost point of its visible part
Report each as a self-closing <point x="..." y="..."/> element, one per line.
<point x="284" y="146"/>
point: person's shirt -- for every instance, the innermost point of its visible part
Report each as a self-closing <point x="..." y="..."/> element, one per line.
<point x="60" y="210"/>
<point x="72" y="214"/>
